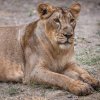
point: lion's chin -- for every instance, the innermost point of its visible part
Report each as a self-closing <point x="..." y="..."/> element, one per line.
<point x="65" y="46"/>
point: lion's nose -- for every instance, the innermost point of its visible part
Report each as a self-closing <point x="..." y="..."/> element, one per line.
<point x="68" y="35"/>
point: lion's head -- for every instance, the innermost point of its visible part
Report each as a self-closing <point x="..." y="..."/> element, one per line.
<point x="59" y="23"/>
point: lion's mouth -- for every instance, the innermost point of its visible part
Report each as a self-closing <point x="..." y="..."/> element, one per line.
<point x="66" y="42"/>
<point x="68" y="39"/>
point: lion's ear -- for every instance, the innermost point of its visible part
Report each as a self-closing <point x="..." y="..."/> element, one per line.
<point x="45" y="10"/>
<point x="75" y="9"/>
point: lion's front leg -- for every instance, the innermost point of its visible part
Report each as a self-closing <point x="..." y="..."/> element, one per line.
<point x="27" y="71"/>
<point x="43" y="75"/>
<point x="84" y="75"/>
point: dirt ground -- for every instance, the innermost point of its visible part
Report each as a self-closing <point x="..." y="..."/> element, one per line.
<point x="87" y="47"/>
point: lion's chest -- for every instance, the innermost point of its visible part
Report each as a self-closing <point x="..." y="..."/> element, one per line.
<point x="59" y="63"/>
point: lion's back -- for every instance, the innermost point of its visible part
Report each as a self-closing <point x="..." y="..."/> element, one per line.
<point x="10" y="50"/>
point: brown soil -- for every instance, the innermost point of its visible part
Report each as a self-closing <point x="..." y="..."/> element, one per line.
<point x="87" y="46"/>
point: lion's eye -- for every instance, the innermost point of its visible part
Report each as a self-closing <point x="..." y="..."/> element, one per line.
<point x="56" y="20"/>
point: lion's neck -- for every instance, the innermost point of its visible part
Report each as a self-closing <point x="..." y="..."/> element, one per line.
<point x="40" y="45"/>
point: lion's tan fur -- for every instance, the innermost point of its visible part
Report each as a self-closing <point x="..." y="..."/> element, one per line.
<point x="11" y="61"/>
<point x="46" y="47"/>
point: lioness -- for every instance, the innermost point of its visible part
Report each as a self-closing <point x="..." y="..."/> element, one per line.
<point x="48" y="46"/>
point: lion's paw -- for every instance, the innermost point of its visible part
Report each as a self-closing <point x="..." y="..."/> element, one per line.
<point x="80" y="88"/>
